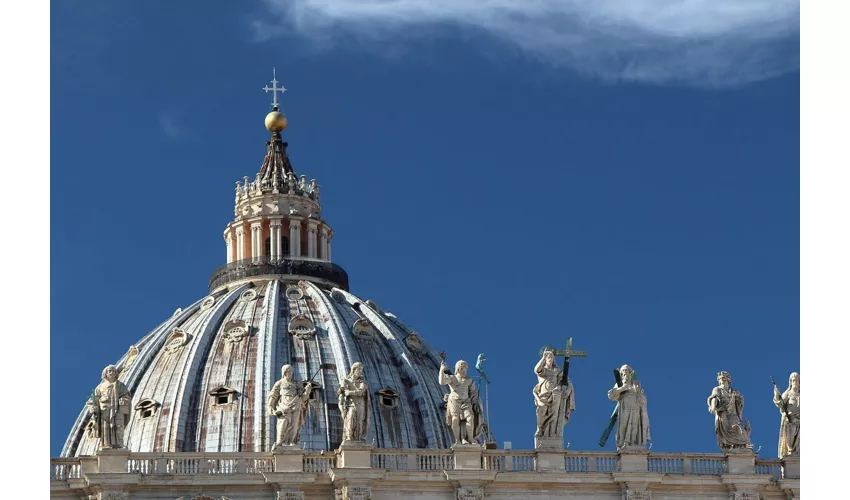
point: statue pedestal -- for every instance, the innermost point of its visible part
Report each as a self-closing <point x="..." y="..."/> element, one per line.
<point x="354" y="455"/>
<point x="549" y="443"/>
<point x="112" y="460"/>
<point x="740" y="461"/>
<point x="633" y="459"/>
<point x="791" y="467"/>
<point x="467" y="456"/>
<point x="288" y="459"/>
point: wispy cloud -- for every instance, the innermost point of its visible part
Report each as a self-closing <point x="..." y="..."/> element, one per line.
<point x="169" y="125"/>
<point x="694" y="42"/>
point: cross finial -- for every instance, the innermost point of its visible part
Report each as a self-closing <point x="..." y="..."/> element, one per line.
<point x="274" y="88"/>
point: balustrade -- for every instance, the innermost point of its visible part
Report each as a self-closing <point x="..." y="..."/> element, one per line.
<point x="198" y="464"/>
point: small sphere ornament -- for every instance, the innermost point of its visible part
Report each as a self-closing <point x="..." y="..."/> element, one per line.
<point x="275" y="121"/>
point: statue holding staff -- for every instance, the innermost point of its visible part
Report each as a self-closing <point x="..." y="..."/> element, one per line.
<point x="288" y="402"/>
<point x="631" y="414"/>
<point x="789" y="405"/>
<point x="553" y="397"/>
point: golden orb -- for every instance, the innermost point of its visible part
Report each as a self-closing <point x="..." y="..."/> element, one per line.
<point x="275" y="121"/>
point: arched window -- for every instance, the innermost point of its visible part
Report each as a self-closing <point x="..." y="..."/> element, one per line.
<point x="285" y="246"/>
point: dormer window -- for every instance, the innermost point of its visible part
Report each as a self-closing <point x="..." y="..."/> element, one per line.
<point x="387" y="397"/>
<point x="222" y="396"/>
<point x="147" y="408"/>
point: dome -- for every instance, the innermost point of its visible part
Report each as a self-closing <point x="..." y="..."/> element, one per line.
<point x="199" y="381"/>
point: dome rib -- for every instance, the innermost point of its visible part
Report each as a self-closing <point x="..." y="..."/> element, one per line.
<point x="193" y="369"/>
<point x="265" y="373"/>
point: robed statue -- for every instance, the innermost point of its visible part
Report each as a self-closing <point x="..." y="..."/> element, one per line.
<point x="727" y="405"/>
<point x="554" y="399"/>
<point x="288" y="402"/>
<point x="632" y="417"/>
<point x="110" y="407"/>
<point x="789" y="406"/>
<point x="464" y="413"/>
<point x="354" y="404"/>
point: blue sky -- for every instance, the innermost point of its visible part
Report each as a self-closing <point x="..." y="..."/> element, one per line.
<point x="633" y="184"/>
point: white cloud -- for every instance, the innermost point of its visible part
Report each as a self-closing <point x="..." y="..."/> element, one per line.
<point x="697" y="42"/>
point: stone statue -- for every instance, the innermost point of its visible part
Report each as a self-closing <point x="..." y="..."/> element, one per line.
<point x="288" y="402"/>
<point x="789" y="405"/>
<point x="463" y="404"/>
<point x="554" y="401"/>
<point x="302" y="185"/>
<point x="727" y="405"/>
<point x="110" y="407"/>
<point x="632" y="417"/>
<point x="354" y="404"/>
<point x="291" y="182"/>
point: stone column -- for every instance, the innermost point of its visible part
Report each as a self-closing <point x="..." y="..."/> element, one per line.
<point x="323" y="242"/>
<point x="240" y="243"/>
<point x="256" y="240"/>
<point x="312" y="229"/>
<point x="229" y="244"/>
<point x="276" y="246"/>
<point x="330" y="235"/>
<point x="295" y="236"/>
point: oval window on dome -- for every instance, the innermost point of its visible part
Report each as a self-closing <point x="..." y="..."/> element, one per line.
<point x="235" y="330"/>
<point x="302" y="327"/>
<point x="176" y="340"/>
<point x="294" y="293"/>
<point x="248" y="295"/>
<point x="207" y="303"/>
<point x="363" y="330"/>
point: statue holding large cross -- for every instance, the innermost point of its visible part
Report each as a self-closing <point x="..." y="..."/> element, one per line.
<point x="554" y="396"/>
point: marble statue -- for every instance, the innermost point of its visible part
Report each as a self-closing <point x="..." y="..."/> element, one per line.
<point x="463" y="410"/>
<point x="789" y="406"/>
<point x="554" y="401"/>
<point x="302" y="185"/>
<point x="354" y="404"/>
<point x="291" y="182"/>
<point x="288" y="402"/>
<point x="110" y="407"/>
<point x="727" y="405"/>
<point x="632" y="417"/>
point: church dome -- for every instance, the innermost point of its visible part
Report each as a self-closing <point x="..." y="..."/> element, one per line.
<point x="200" y="380"/>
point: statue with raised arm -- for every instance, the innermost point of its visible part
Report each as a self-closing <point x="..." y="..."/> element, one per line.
<point x="554" y="400"/>
<point x="110" y="407"/>
<point x="789" y="406"/>
<point x="632" y="417"/>
<point x="354" y="404"/>
<point x="464" y="414"/>
<point x="288" y="402"/>
<point x="727" y="405"/>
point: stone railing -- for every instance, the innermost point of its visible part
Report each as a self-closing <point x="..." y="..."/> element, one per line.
<point x="197" y="464"/>
<point x="701" y="464"/>
<point x="211" y="464"/>
<point x="62" y="469"/>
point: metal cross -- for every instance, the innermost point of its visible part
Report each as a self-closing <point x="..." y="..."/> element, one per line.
<point x="274" y="88"/>
<point x="567" y="353"/>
